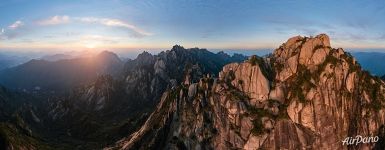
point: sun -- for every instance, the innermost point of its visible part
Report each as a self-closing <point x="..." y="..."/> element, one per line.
<point x="90" y="45"/>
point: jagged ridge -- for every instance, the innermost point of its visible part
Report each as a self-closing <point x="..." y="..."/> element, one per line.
<point x="305" y="95"/>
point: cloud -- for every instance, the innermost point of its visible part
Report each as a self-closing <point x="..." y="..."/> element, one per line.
<point x="93" y="41"/>
<point x="55" y="20"/>
<point x="2" y="36"/>
<point x="101" y="39"/>
<point x="114" y="23"/>
<point x="27" y="41"/>
<point x="14" y="30"/>
<point x="16" y="25"/>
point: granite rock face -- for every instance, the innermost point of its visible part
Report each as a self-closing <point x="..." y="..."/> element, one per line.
<point x="329" y="94"/>
<point x="249" y="79"/>
<point x="306" y="95"/>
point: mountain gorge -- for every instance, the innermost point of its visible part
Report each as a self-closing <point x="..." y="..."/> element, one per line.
<point x="306" y="95"/>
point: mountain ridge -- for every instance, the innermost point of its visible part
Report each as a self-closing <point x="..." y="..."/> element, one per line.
<point x="61" y="74"/>
<point x="112" y="107"/>
<point x="305" y="95"/>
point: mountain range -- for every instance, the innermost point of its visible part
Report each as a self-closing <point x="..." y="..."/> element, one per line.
<point x="8" y="61"/>
<point x="110" y="107"/>
<point x="305" y="95"/>
<point x="61" y="74"/>
<point x="371" y="61"/>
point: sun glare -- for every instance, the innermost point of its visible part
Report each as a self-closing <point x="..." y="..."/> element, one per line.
<point x="90" y="45"/>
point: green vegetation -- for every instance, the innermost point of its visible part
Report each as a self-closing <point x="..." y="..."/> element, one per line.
<point x="317" y="47"/>
<point x="303" y="40"/>
<point x="259" y="112"/>
<point x="282" y="112"/>
<point x="330" y="59"/>
<point x="353" y="66"/>
<point x="301" y="82"/>
<point x="174" y="93"/>
<point x="271" y="102"/>
<point x="230" y="77"/>
<point x="376" y="105"/>
<point x="254" y="60"/>
<point x="265" y="69"/>
<point x="279" y="66"/>
<point x="258" y="127"/>
<point x="373" y="90"/>
<point x="240" y="82"/>
<point x="237" y="95"/>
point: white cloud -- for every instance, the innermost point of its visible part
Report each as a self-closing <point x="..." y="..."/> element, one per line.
<point x="114" y="23"/>
<point x="102" y="21"/>
<point x="93" y="41"/>
<point x="55" y="20"/>
<point x="1" y="34"/>
<point x="100" y="38"/>
<point x="16" y="25"/>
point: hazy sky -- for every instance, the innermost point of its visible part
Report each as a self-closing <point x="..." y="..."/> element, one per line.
<point x="219" y="24"/>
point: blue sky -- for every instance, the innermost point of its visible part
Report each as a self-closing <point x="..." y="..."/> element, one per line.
<point x="125" y="25"/>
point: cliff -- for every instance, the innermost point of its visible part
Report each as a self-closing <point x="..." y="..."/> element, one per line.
<point x="306" y="95"/>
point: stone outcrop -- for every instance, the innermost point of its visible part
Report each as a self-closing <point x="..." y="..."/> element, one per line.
<point x="306" y="95"/>
<point x="328" y="92"/>
<point x="249" y="79"/>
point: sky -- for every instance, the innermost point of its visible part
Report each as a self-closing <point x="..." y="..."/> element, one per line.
<point x="125" y="25"/>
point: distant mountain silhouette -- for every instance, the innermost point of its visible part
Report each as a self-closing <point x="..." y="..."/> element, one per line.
<point x="62" y="74"/>
<point x="57" y="57"/>
<point x="374" y="62"/>
<point x="7" y="61"/>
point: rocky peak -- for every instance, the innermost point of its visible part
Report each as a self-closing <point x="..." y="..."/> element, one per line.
<point x="145" y="58"/>
<point x="299" y="44"/>
<point x="177" y="48"/>
<point x="107" y="54"/>
<point x="222" y="53"/>
<point x="108" y="57"/>
<point x="306" y="95"/>
<point x="310" y="72"/>
<point x="308" y="52"/>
